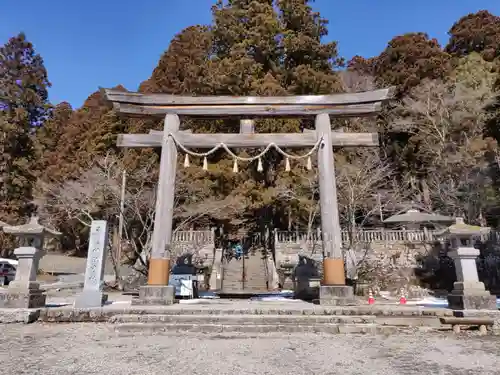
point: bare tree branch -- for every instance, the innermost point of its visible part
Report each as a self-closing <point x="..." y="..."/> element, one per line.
<point x="446" y="122"/>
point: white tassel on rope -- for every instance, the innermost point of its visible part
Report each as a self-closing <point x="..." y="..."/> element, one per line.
<point x="287" y="165"/>
<point x="259" y="166"/>
<point x="235" y="166"/>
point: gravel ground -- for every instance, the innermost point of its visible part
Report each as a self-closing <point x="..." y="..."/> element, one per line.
<point x="96" y="349"/>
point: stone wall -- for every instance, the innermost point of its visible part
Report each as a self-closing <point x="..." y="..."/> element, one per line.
<point x="388" y="265"/>
<point x="384" y="259"/>
<point x="201" y="244"/>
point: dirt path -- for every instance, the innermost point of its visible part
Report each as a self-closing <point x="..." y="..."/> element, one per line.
<point x="97" y="349"/>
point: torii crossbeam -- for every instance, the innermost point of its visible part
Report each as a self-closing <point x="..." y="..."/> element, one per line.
<point x="247" y="108"/>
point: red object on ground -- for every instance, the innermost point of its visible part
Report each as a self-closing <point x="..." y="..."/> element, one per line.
<point x="402" y="299"/>
<point x="371" y="300"/>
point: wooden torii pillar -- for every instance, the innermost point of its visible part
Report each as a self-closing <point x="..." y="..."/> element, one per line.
<point x="170" y="107"/>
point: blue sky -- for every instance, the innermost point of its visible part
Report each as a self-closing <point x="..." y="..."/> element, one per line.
<point x="92" y="43"/>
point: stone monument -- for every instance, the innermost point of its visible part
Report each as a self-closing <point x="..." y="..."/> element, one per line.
<point x="92" y="295"/>
<point x="468" y="292"/>
<point x="24" y="291"/>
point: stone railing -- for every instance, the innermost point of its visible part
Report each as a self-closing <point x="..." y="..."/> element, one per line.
<point x="364" y="236"/>
<point x="194" y="236"/>
<point x="374" y="235"/>
<point x="288" y="245"/>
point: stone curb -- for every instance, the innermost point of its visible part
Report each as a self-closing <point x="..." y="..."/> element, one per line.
<point x="68" y="314"/>
<point x="158" y="328"/>
<point x="26" y="316"/>
<point x="158" y="319"/>
<point x="127" y="329"/>
<point x="62" y="286"/>
<point x="243" y="319"/>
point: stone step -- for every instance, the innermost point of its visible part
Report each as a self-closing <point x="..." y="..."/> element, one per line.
<point x="255" y="275"/>
<point x="389" y="315"/>
<point x="326" y="328"/>
<point x="242" y="319"/>
<point x="287" y="308"/>
<point x="281" y="309"/>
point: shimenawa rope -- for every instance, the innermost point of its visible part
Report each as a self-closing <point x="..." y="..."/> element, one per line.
<point x="249" y="159"/>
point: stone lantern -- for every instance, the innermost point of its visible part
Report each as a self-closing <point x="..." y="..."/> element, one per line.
<point x="24" y="291"/>
<point x="468" y="292"/>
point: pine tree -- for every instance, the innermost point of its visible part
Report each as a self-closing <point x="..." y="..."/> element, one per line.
<point x="23" y="106"/>
<point x="181" y="67"/>
<point x="245" y="46"/>
<point x="308" y="63"/>
<point x="409" y="59"/>
<point x="476" y="32"/>
<point x="49" y="135"/>
<point x="82" y="136"/>
<point x="265" y="47"/>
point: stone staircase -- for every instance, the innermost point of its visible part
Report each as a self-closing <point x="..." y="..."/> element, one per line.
<point x="247" y="275"/>
<point x="241" y="316"/>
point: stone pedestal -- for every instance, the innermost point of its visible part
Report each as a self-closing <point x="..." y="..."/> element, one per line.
<point x="90" y="298"/>
<point x="468" y="292"/>
<point x="486" y="301"/>
<point x="28" y="261"/>
<point x="23" y="299"/>
<point x="215" y="278"/>
<point x="307" y="289"/>
<point x="24" y="291"/>
<point x="336" y="295"/>
<point x="155" y="295"/>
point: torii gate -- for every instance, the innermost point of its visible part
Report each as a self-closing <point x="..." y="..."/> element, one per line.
<point x="321" y="106"/>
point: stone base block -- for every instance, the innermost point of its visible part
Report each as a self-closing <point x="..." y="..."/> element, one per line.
<point x="336" y="295"/>
<point x="215" y="280"/>
<point x="307" y="289"/>
<point x="23" y="299"/>
<point x="89" y="299"/>
<point x="472" y="302"/>
<point x="155" y="295"/>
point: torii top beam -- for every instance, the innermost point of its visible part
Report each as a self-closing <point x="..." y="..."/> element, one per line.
<point x="338" y="105"/>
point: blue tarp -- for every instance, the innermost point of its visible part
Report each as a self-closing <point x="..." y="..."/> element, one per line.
<point x="442" y="302"/>
<point x="274" y="296"/>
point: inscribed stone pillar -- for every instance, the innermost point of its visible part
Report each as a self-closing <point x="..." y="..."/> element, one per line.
<point x="333" y="291"/>
<point x="92" y="295"/>
<point x="216" y="271"/>
<point x="158" y="291"/>
<point x="24" y="291"/>
<point x="468" y="292"/>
